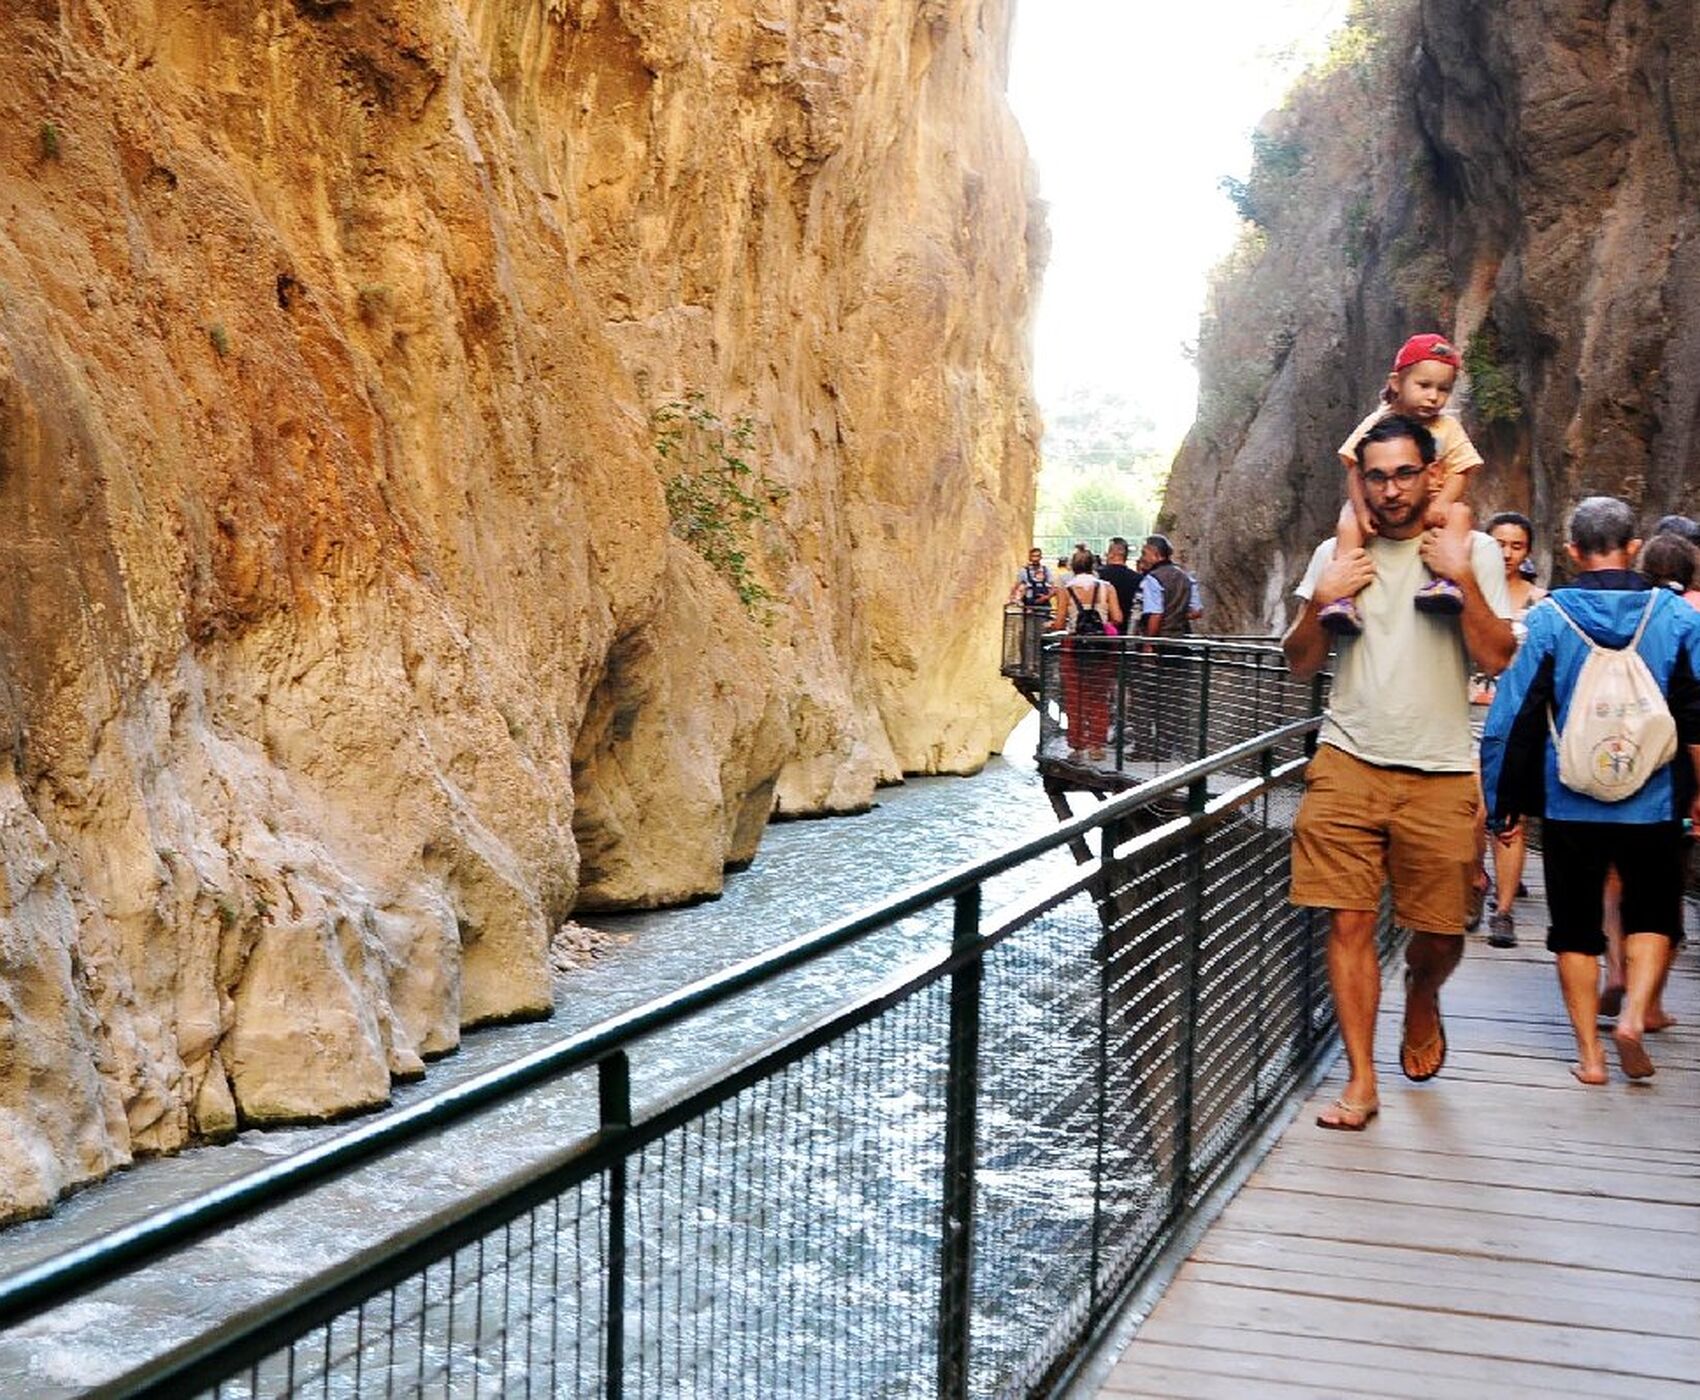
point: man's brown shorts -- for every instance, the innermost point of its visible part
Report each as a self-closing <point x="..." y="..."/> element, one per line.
<point x="1361" y="826"/>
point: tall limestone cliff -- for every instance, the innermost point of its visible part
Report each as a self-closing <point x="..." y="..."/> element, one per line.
<point x="1524" y="177"/>
<point x="345" y="647"/>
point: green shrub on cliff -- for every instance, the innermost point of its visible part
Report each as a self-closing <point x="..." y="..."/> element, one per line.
<point x="1277" y="162"/>
<point x="1248" y="327"/>
<point x="715" y="498"/>
<point x="1493" y="383"/>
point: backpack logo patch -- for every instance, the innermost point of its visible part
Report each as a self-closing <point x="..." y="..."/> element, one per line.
<point x="1614" y="762"/>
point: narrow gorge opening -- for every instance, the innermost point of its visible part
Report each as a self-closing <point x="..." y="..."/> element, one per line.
<point x="1142" y="138"/>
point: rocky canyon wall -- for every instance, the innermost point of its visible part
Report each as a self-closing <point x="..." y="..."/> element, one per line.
<point x="345" y="646"/>
<point x="1524" y="177"/>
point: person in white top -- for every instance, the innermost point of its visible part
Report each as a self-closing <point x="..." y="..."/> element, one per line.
<point x="1391" y="797"/>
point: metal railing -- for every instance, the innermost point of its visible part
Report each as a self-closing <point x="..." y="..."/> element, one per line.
<point x="1023" y="637"/>
<point x="941" y="1187"/>
<point x="1120" y="708"/>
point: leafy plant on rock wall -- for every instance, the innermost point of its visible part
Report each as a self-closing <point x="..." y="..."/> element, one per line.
<point x="1277" y="162"/>
<point x="716" y="498"/>
<point x="1493" y="383"/>
<point x="1355" y="231"/>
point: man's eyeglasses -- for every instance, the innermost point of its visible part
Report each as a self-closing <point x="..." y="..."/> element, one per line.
<point x="1403" y="477"/>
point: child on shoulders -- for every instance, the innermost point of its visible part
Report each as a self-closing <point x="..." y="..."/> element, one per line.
<point x="1424" y="372"/>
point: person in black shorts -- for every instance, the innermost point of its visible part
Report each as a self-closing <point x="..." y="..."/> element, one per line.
<point x="1639" y="832"/>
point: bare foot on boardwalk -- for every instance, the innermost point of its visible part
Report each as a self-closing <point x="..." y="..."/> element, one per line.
<point x="1632" y="1054"/>
<point x="1660" y="1020"/>
<point x="1590" y="1072"/>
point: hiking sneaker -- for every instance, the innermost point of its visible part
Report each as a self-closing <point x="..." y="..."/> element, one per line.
<point x="1341" y="618"/>
<point x="1439" y="595"/>
<point x="1502" y="931"/>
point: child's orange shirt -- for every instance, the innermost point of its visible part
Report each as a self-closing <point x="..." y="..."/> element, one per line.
<point x="1452" y="446"/>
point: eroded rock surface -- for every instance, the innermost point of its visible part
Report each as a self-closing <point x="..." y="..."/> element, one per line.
<point x="342" y="614"/>
<point x="1523" y="177"/>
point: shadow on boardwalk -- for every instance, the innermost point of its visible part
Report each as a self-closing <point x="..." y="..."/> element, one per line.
<point x="1500" y="1231"/>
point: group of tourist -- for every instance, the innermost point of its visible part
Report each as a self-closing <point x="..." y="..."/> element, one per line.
<point x="1150" y="599"/>
<point x="1592" y="726"/>
<point x="1087" y="599"/>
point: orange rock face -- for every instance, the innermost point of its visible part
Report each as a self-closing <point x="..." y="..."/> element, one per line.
<point x="346" y="648"/>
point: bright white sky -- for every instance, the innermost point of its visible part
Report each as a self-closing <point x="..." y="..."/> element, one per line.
<point x="1133" y="110"/>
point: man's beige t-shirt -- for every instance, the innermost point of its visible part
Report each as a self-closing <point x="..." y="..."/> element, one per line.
<point x="1401" y="694"/>
<point x="1452" y="446"/>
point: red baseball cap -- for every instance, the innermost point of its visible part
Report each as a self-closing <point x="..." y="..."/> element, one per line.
<point x="1426" y="347"/>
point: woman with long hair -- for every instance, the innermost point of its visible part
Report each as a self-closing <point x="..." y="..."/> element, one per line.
<point x="1515" y="535"/>
<point x="1084" y="604"/>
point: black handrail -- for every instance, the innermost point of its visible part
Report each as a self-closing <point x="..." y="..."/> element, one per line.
<point x="35" y="1289"/>
<point x="208" y="1359"/>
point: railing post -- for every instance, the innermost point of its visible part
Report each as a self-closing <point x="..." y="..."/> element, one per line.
<point x="1110" y="837"/>
<point x="1257" y="695"/>
<point x="962" y="1093"/>
<point x="1152" y="662"/>
<point x="614" y="1093"/>
<point x="1265" y="769"/>
<point x="1192" y="923"/>
<point x="1204" y="702"/>
<point x="1121" y="706"/>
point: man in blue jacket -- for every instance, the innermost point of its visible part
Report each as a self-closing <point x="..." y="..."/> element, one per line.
<point x="1582" y="836"/>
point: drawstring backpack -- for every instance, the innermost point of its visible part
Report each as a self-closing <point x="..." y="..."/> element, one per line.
<point x="1619" y="730"/>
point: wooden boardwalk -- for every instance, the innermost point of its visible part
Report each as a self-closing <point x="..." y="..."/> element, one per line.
<point x="1499" y="1231"/>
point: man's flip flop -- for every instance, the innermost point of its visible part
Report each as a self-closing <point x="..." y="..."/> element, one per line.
<point x="1362" y="1112"/>
<point x="1408" y="1052"/>
<point x="1633" y="1056"/>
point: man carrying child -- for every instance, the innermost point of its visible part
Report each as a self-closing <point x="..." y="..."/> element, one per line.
<point x="1391" y="794"/>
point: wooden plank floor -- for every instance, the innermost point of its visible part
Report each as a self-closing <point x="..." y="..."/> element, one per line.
<point x="1499" y="1231"/>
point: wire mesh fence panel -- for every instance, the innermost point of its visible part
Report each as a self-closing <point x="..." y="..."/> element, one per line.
<point x="1234" y="904"/>
<point x="1143" y="953"/>
<point x="786" y="1243"/>
<point x="1024" y="631"/>
<point x="933" y="1180"/>
<point x="1245" y="690"/>
<point x="1287" y="945"/>
<point x="1040" y="1105"/>
<point x="518" y="1312"/>
<point x="1134" y="706"/>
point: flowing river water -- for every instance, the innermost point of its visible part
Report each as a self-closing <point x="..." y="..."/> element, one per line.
<point x="805" y="875"/>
